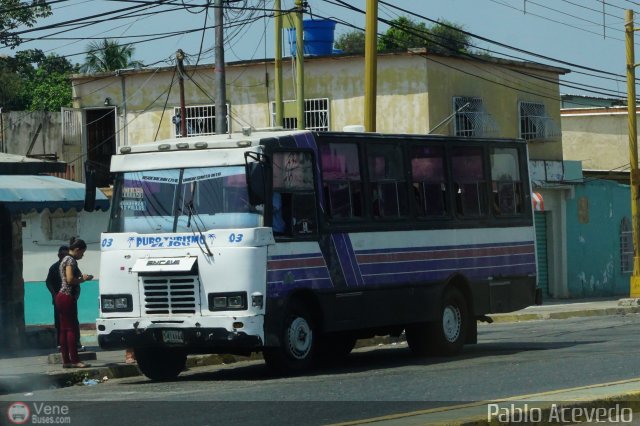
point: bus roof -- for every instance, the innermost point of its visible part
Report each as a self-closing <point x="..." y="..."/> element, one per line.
<point x="243" y="139"/>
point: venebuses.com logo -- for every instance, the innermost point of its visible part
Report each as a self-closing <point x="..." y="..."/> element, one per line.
<point x="18" y="413"/>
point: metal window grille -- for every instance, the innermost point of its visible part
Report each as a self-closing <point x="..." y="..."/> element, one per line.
<point x="535" y="124"/>
<point x="626" y="247"/>
<point x="201" y="120"/>
<point x="471" y="119"/>
<point x="316" y="115"/>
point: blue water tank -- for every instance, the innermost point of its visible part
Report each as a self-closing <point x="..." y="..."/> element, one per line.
<point x="317" y="35"/>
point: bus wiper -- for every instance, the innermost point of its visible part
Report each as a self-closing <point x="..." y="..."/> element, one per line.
<point x="190" y="209"/>
<point x="202" y="238"/>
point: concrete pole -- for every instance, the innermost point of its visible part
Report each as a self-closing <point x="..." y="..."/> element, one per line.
<point x="220" y="80"/>
<point x="299" y="66"/>
<point x="633" y="150"/>
<point x="279" y="106"/>
<point x="183" y="108"/>
<point x="370" y="66"/>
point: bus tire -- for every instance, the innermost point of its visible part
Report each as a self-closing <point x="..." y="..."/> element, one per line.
<point x="160" y="363"/>
<point x="298" y="342"/>
<point x="447" y="335"/>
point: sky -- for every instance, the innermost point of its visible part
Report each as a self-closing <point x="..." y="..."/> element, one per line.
<point x="585" y="36"/>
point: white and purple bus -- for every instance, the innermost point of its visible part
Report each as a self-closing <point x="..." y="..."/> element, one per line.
<point x="298" y="243"/>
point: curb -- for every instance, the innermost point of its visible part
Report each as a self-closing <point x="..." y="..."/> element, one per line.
<point x="593" y="312"/>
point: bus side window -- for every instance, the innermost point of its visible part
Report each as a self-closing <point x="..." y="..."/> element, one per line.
<point x="293" y="201"/>
<point x="429" y="187"/>
<point x="467" y="168"/>
<point x="506" y="184"/>
<point x="303" y="220"/>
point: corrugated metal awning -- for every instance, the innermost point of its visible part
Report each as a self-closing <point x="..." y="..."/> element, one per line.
<point x="23" y="193"/>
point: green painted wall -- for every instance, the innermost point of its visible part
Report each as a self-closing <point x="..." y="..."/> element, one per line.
<point x="593" y="239"/>
<point x="39" y="310"/>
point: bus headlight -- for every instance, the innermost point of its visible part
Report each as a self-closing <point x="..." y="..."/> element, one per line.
<point x="235" y="301"/>
<point x="116" y="303"/>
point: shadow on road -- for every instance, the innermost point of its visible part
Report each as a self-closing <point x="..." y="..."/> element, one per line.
<point x="368" y="359"/>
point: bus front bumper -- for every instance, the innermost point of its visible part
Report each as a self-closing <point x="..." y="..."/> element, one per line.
<point x="189" y="334"/>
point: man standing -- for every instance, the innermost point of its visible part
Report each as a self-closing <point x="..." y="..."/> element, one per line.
<point x="54" y="282"/>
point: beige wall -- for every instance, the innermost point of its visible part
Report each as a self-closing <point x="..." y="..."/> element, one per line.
<point x="414" y="94"/>
<point x="501" y="89"/>
<point x="599" y="139"/>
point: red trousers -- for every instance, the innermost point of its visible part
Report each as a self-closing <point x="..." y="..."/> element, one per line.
<point x="67" y="307"/>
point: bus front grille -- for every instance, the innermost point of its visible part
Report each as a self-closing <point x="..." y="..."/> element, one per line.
<point x="170" y="295"/>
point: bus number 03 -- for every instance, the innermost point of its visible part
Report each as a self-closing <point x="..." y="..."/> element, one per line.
<point x="107" y="242"/>
<point x="235" y="238"/>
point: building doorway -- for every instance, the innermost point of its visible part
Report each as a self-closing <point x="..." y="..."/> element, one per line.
<point x="101" y="142"/>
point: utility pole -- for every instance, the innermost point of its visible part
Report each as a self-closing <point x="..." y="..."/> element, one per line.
<point x="634" y="176"/>
<point x="299" y="66"/>
<point x="183" y="109"/>
<point x="370" y="66"/>
<point x="278" y="64"/>
<point x="220" y="80"/>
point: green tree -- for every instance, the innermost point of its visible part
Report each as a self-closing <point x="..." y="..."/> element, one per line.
<point x="108" y="55"/>
<point x="16" y="13"/>
<point x="33" y="81"/>
<point x="351" y="42"/>
<point x="443" y="37"/>
<point x="402" y="35"/>
<point x="51" y="91"/>
<point x="447" y="37"/>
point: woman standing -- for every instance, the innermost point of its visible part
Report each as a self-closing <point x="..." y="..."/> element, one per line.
<point x="67" y="303"/>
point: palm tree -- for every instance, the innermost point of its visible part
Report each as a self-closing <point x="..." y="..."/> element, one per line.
<point x="108" y="55"/>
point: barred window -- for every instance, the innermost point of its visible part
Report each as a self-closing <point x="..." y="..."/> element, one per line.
<point x="626" y="247"/>
<point x="535" y="124"/>
<point x="471" y="119"/>
<point x="316" y="114"/>
<point x="201" y="120"/>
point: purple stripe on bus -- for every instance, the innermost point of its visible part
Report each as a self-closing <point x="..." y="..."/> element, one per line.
<point x="347" y="261"/>
<point x="280" y="289"/>
<point x="450" y="265"/>
<point x="428" y="276"/>
<point x="450" y="247"/>
<point x="453" y="253"/>
<point x="297" y="274"/>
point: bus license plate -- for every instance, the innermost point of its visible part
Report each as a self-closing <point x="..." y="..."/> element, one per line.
<point x="172" y="336"/>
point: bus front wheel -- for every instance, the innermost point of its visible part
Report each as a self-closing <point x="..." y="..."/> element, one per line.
<point x="160" y="363"/>
<point x="298" y="342"/>
<point x="447" y="335"/>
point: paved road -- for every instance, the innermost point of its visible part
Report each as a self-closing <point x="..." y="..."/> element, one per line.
<point x="511" y="359"/>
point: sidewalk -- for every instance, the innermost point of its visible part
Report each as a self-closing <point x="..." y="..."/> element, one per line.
<point x="30" y="370"/>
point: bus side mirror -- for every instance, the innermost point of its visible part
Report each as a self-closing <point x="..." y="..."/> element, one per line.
<point x="89" y="188"/>
<point x="256" y="182"/>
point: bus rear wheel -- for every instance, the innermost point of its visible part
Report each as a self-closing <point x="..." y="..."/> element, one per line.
<point x="298" y="342"/>
<point x="161" y="363"/>
<point x="446" y="336"/>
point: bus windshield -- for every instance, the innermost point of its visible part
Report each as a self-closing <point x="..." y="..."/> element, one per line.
<point x="182" y="200"/>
